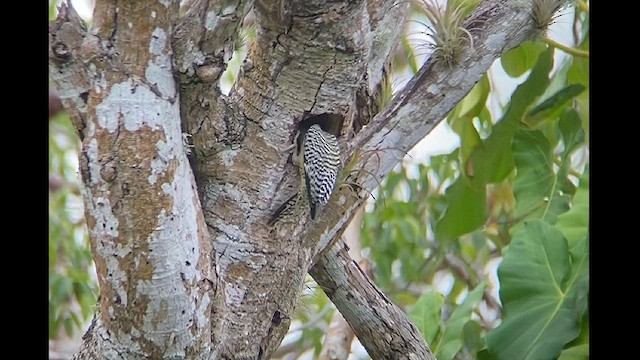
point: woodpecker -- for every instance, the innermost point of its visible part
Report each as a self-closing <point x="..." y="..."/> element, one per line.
<point x="317" y="156"/>
<point x="321" y="160"/>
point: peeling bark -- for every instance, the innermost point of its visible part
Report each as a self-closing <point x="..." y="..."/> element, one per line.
<point x="187" y="267"/>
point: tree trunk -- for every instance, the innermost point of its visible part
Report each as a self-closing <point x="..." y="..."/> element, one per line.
<point x="186" y="264"/>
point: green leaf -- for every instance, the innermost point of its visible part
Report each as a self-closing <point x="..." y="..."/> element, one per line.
<point x="571" y="129"/>
<point x="466" y="210"/>
<point x="579" y="70"/>
<point x="553" y="104"/>
<point x="578" y="349"/>
<point x="425" y="314"/>
<point x="493" y="161"/>
<point x="558" y="80"/>
<point x="452" y="338"/>
<point x="485" y="354"/>
<point x="580" y="275"/>
<point x="537" y="188"/>
<point x="52" y="10"/>
<point x="469" y="137"/>
<point x="467" y="6"/>
<point x="473" y="340"/>
<point x="579" y="352"/>
<point x="574" y="224"/>
<point x="60" y="288"/>
<point x="76" y="320"/>
<point x="543" y="291"/>
<point x="53" y="326"/>
<point x="461" y="117"/>
<point x="536" y="164"/>
<point x="517" y="61"/>
<point x="68" y="326"/>
<point x="474" y="102"/>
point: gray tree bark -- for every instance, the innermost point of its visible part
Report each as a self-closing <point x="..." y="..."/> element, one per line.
<point x="187" y="266"/>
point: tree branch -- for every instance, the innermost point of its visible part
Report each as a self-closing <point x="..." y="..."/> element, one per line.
<point x="66" y="35"/>
<point x="382" y="327"/>
<point x="337" y="342"/>
<point x="205" y="37"/>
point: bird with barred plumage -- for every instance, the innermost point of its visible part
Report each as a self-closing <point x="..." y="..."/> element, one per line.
<point x="317" y="155"/>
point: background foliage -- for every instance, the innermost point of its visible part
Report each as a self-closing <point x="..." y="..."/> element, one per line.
<point x="486" y="246"/>
<point x="72" y="286"/>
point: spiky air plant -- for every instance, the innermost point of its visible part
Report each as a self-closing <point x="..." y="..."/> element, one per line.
<point x="449" y="37"/>
<point x="545" y="12"/>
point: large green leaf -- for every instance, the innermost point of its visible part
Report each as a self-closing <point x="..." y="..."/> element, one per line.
<point x="466" y="210"/>
<point x="578" y="284"/>
<point x="425" y="314"/>
<point x="541" y="190"/>
<point x="493" y="161"/>
<point x="543" y="288"/>
<point x="537" y="188"/>
<point x="517" y="61"/>
<point x="453" y="336"/>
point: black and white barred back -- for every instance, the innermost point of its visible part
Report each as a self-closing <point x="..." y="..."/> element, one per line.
<point x="321" y="164"/>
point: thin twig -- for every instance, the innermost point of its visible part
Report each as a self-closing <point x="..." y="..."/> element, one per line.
<point x="567" y="49"/>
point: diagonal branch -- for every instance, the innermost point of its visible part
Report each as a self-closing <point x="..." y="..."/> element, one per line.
<point x="337" y="342"/>
<point x="369" y="312"/>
